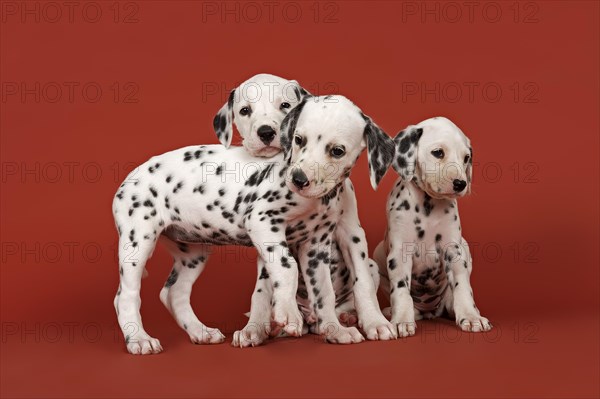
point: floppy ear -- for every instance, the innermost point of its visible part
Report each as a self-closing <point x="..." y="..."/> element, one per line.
<point x="469" y="171"/>
<point x="380" y="148"/>
<point x="406" y="151"/>
<point x="300" y="92"/>
<point x="288" y="127"/>
<point x="223" y="121"/>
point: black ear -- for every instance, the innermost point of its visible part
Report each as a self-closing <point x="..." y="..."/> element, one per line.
<point x="380" y="149"/>
<point x="470" y="171"/>
<point x="223" y="121"/>
<point x="299" y="92"/>
<point x="406" y="151"/>
<point x="288" y="127"/>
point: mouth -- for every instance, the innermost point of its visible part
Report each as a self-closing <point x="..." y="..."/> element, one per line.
<point x="306" y="192"/>
<point x="267" y="150"/>
<point x="436" y="195"/>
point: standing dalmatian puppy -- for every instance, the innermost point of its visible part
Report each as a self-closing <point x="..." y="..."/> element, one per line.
<point x="424" y="259"/>
<point x="322" y="138"/>
<point x="274" y="97"/>
<point x="257" y="108"/>
<point x="202" y="195"/>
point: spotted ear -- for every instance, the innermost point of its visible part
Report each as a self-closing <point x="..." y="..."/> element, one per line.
<point x="223" y="121"/>
<point x="380" y="149"/>
<point x="288" y="127"/>
<point x="300" y="92"/>
<point x="469" y="171"/>
<point x="406" y="151"/>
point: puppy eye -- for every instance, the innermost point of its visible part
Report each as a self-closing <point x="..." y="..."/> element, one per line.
<point x="297" y="140"/>
<point x="285" y="105"/>
<point x="467" y="158"/>
<point x="245" y="111"/>
<point x="338" y="151"/>
<point x="439" y="153"/>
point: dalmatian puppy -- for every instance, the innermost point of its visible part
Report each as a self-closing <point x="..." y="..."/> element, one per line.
<point x="274" y="97"/>
<point x="349" y="244"/>
<point x="264" y="118"/>
<point x="199" y="196"/>
<point x="310" y="145"/>
<point x="424" y="260"/>
<point x="257" y="107"/>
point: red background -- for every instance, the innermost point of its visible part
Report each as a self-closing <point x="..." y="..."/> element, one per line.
<point x="532" y="219"/>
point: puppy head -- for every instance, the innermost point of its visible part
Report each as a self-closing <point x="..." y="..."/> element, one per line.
<point x="437" y="155"/>
<point x="322" y="138"/>
<point x="257" y="108"/>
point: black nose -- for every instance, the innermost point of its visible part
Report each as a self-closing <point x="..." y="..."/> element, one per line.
<point x="299" y="179"/>
<point x="266" y="134"/>
<point x="459" y="185"/>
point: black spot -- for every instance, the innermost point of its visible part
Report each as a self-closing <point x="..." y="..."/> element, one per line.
<point x="404" y="205"/>
<point x="355" y="239"/>
<point x="404" y="144"/>
<point x="427" y="205"/>
<point x="172" y="279"/>
<point x="263" y="274"/>
<point x="438" y="237"/>
<point x="392" y="264"/>
<point x="402" y="161"/>
<point x="177" y="187"/>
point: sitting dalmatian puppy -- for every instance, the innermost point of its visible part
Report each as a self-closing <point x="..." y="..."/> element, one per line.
<point x="239" y="109"/>
<point x="202" y="195"/>
<point x="354" y="277"/>
<point x="424" y="260"/>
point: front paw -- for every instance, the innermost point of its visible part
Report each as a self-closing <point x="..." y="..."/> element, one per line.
<point x="288" y="318"/>
<point x="338" y="334"/>
<point x="405" y="323"/>
<point x="251" y="335"/>
<point x="473" y="323"/>
<point x="378" y="328"/>
<point x="143" y="345"/>
<point x="201" y="335"/>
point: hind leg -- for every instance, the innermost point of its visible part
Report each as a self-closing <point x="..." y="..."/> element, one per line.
<point x="133" y="255"/>
<point x="189" y="262"/>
